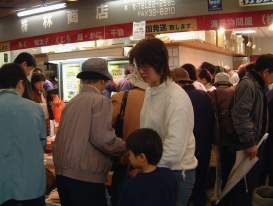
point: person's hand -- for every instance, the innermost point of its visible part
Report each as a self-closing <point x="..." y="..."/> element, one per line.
<point x="252" y="152"/>
<point x="134" y="172"/>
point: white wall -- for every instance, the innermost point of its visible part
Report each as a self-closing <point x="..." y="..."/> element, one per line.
<point x="266" y="44"/>
<point x="197" y="57"/>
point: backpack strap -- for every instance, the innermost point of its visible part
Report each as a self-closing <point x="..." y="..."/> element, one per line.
<point x="123" y="104"/>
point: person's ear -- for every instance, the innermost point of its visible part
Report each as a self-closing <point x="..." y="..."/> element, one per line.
<point x="24" y="64"/>
<point x="266" y="72"/>
<point x="143" y="157"/>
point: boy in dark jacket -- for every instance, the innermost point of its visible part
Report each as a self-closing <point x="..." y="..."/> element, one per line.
<point x="154" y="185"/>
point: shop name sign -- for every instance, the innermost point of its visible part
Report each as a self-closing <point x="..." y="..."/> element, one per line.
<point x="244" y="3"/>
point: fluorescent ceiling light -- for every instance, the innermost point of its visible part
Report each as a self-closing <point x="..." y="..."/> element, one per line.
<point x="42" y="9"/>
<point x="245" y="32"/>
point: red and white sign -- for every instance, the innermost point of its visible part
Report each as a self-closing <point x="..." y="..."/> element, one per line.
<point x="204" y="22"/>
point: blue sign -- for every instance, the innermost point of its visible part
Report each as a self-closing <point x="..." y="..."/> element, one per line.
<point x="254" y="2"/>
<point x="215" y="5"/>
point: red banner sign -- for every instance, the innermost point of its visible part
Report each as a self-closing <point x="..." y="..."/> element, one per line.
<point x="204" y="22"/>
<point x="239" y="20"/>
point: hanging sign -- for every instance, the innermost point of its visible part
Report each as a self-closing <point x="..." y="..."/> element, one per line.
<point x="244" y="3"/>
<point x="215" y="5"/>
<point x="139" y="30"/>
<point x="5" y="46"/>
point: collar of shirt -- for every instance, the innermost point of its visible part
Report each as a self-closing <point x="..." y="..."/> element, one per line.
<point x="90" y="86"/>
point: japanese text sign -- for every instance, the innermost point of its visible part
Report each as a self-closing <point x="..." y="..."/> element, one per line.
<point x="171" y="26"/>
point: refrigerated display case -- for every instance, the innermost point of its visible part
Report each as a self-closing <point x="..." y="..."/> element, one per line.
<point x="117" y="69"/>
<point x="70" y="84"/>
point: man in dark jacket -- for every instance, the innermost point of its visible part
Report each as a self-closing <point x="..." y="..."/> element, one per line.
<point x="27" y="61"/>
<point x="203" y="128"/>
<point x="249" y="115"/>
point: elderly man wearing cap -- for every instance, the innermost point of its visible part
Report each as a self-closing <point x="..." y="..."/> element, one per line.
<point x="221" y="98"/>
<point x="86" y="141"/>
<point x="203" y="127"/>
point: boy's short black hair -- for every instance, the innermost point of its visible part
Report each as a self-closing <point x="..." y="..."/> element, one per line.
<point x="264" y="62"/>
<point x="10" y="75"/>
<point x="25" y="56"/>
<point x="36" y="77"/>
<point x="148" y="142"/>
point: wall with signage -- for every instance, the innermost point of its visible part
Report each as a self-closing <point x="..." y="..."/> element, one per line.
<point x="95" y="14"/>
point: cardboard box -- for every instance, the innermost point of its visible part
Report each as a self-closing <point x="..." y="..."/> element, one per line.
<point x="210" y="37"/>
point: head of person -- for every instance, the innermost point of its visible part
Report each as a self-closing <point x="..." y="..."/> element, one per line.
<point x="250" y="66"/>
<point x="37" y="70"/>
<point x="136" y="80"/>
<point x="129" y="70"/>
<point x="37" y="81"/>
<point x="207" y="66"/>
<point x="12" y="76"/>
<point x="228" y="70"/>
<point x="182" y="77"/>
<point x="95" y="72"/>
<point x="264" y="67"/>
<point x="150" y="56"/>
<point x="222" y="79"/>
<point x="191" y="71"/>
<point x="242" y="71"/>
<point x="144" y="146"/>
<point x="204" y="76"/>
<point x="27" y="61"/>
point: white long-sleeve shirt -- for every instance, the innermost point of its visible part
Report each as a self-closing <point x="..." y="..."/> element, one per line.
<point x="168" y="110"/>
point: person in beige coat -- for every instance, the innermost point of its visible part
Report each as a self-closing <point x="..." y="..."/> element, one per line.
<point x="134" y="104"/>
<point x="85" y="141"/>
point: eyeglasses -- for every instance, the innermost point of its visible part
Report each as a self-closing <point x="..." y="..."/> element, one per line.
<point x="143" y="68"/>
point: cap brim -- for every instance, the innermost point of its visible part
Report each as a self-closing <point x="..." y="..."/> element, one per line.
<point x="223" y="83"/>
<point x="92" y="75"/>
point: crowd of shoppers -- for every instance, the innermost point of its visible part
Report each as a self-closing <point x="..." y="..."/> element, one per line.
<point x="165" y="150"/>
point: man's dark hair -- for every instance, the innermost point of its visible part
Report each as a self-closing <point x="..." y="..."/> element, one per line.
<point x="264" y="62"/>
<point x="152" y="52"/>
<point x="148" y="142"/>
<point x="191" y="70"/>
<point x="25" y="56"/>
<point x="10" y="75"/>
<point x="37" y="70"/>
<point x="250" y="66"/>
<point x="36" y="77"/>
<point x="203" y="73"/>
<point x="207" y="66"/>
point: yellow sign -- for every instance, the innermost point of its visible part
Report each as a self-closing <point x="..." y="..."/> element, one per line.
<point x="5" y="46"/>
<point x="171" y="26"/>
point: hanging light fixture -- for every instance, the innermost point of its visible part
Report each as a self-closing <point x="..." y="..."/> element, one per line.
<point x="41" y="9"/>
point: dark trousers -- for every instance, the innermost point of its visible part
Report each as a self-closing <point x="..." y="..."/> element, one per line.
<point x="238" y="196"/>
<point x="227" y="162"/>
<point x="80" y="193"/>
<point x="40" y="201"/>
<point x="117" y="180"/>
<point x="201" y="172"/>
